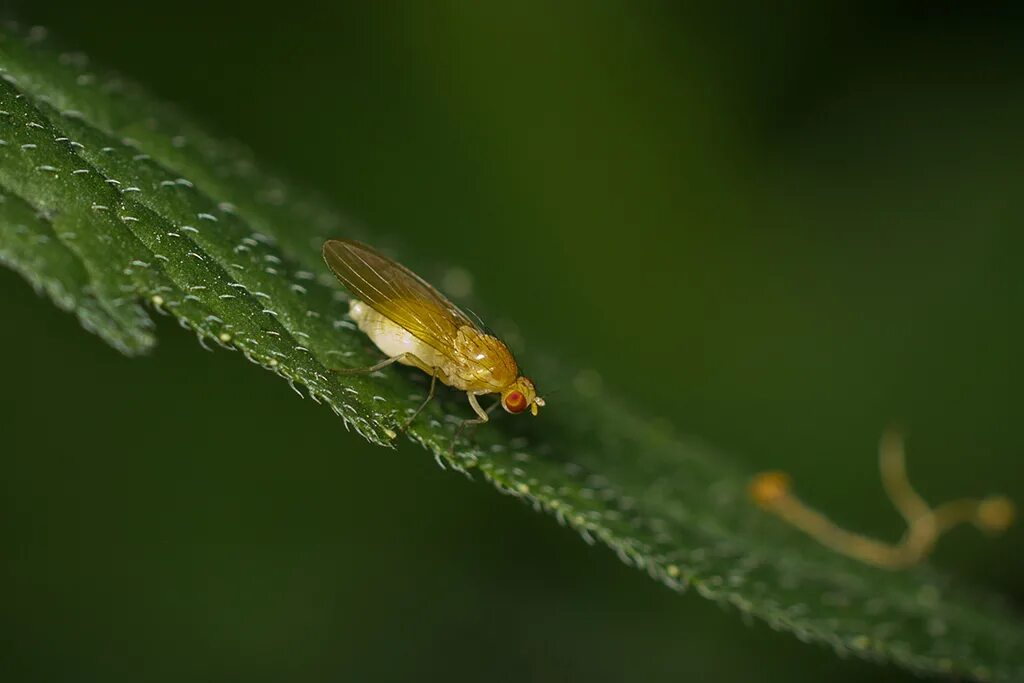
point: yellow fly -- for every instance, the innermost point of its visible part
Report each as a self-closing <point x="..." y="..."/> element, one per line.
<point x="414" y="324"/>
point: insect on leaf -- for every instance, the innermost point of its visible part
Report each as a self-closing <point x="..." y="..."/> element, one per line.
<point x="112" y="202"/>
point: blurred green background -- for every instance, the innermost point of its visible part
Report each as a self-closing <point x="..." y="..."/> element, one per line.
<point x="779" y="226"/>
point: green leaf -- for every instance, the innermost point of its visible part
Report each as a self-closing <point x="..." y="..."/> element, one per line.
<point x="110" y="202"/>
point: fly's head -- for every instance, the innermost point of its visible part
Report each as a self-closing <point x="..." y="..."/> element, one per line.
<point x="520" y="395"/>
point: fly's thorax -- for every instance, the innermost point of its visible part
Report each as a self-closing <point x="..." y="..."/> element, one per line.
<point x="485" y="363"/>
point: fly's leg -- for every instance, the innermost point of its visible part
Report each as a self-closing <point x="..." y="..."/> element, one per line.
<point x="412" y="359"/>
<point x="430" y="396"/>
<point x="479" y="419"/>
<point x="375" y="367"/>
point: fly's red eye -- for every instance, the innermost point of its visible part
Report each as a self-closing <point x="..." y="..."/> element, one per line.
<point x="515" y="402"/>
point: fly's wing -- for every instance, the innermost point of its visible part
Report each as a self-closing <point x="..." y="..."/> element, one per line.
<point x="397" y="293"/>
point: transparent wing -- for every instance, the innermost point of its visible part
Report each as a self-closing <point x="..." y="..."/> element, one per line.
<point x="397" y="293"/>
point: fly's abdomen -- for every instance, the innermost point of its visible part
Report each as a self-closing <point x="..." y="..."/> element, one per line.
<point x="394" y="340"/>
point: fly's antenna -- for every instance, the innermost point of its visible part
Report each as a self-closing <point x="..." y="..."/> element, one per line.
<point x="925" y="524"/>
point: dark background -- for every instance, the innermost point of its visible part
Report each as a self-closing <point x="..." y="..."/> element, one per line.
<point x="780" y="228"/>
